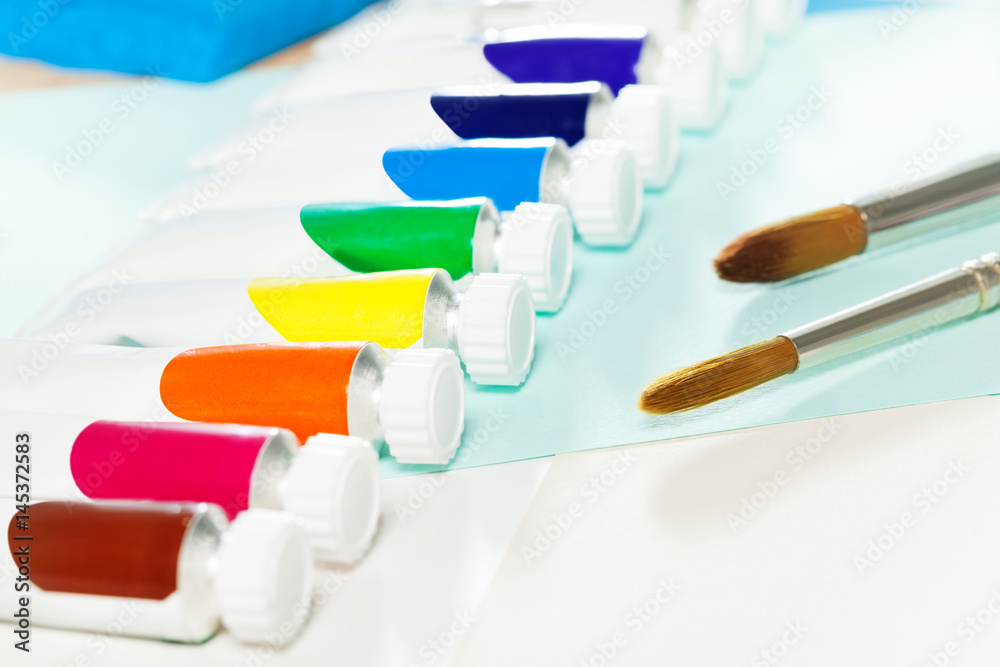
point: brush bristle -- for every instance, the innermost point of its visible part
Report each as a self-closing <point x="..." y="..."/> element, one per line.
<point x="721" y="377"/>
<point x="794" y="246"/>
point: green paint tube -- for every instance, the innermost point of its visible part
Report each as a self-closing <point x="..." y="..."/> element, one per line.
<point x="463" y="236"/>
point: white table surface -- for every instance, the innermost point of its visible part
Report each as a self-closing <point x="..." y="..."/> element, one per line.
<point x="407" y="603"/>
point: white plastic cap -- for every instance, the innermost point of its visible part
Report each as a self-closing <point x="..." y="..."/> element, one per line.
<point x="780" y="17"/>
<point x="605" y="193"/>
<point x="496" y="329"/>
<point x="641" y="116"/>
<point x="693" y="76"/>
<point x="264" y="579"/>
<point x="536" y="242"/>
<point x="333" y="486"/>
<point x="741" y="43"/>
<point x="423" y="406"/>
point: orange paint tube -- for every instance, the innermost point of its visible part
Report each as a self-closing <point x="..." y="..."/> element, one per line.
<point x="415" y="404"/>
<point x="304" y="385"/>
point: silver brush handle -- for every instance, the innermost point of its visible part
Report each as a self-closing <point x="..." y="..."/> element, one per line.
<point x="973" y="287"/>
<point x="933" y="203"/>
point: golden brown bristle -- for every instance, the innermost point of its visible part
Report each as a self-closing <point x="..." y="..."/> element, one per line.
<point x="794" y="246"/>
<point x="721" y="377"/>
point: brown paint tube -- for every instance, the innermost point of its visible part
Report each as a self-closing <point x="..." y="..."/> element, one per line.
<point x="124" y="550"/>
<point x="174" y="571"/>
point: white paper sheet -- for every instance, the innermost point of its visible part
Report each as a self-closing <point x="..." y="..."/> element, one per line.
<point x="868" y="539"/>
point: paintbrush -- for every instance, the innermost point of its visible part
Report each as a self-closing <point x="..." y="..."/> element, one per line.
<point x="969" y="289"/>
<point x="812" y="241"/>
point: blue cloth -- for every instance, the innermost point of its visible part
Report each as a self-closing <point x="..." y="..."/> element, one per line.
<point x="191" y="40"/>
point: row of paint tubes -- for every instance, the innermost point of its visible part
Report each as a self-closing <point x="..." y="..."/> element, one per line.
<point x="328" y="136"/>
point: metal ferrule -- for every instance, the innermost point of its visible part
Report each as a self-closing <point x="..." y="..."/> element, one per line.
<point x="972" y="288"/>
<point x="196" y="566"/>
<point x="554" y="181"/>
<point x="268" y="480"/>
<point x="650" y="57"/>
<point x="486" y="239"/>
<point x="364" y="394"/>
<point x="963" y="194"/>
<point x="598" y="113"/>
<point x="441" y="311"/>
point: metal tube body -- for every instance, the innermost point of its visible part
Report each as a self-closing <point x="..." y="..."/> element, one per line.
<point x="972" y="288"/>
<point x="963" y="194"/>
